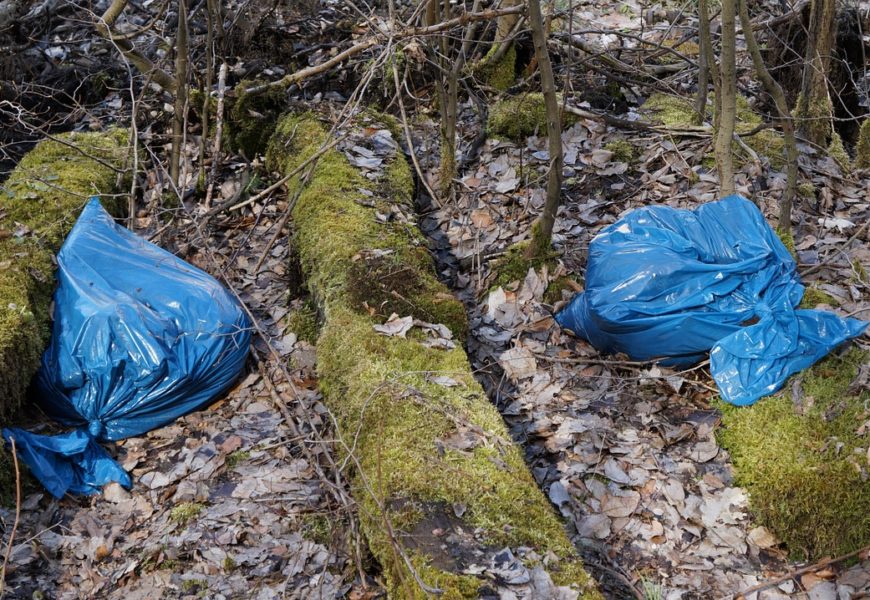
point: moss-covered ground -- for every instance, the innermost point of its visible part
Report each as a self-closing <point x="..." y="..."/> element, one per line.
<point x="39" y="203"/>
<point x="518" y="117"/>
<point x="674" y="111"/>
<point x="804" y="457"/>
<point x="404" y="426"/>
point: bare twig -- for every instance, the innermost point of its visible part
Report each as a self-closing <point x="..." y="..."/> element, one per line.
<point x="218" y="133"/>
<point x="374" y="41"/>
<point x="797" y="572"/>
<point x="17" y="517"/>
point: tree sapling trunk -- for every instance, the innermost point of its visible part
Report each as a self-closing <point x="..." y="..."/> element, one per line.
<point x="814" y="110"/>
<point x="785" y="119"/>
<point x="542" y="230"/>
<point x="727" y="99"/>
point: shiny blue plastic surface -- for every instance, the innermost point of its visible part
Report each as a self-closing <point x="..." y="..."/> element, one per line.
<point x="663" y="283"/>
<point x="140" y="338"/>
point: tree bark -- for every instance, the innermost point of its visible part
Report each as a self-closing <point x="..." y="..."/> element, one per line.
<point x="542" y="230"/>
<point x="785" y="118"/>
<point x="704" y="44"/>
<point x="727" y="99"/>
<point x="180" y="116"/>
<point x="814" y="108"/>
<point x="142" y="64"/>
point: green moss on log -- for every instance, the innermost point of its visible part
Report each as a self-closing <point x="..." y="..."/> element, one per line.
<point x="837" y="151"/>
<point x="518" y="117"/>
<point x="804" y="460"/>
<point x="252" y="117"/>
<point x="423" y="449"/>
<point x="862" y="148"/>
<point x="500" y="74"/>
<point x="39" y="203"/>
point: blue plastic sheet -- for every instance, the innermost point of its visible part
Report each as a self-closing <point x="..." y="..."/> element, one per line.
<point x="139" y="339"/>
<point x="663" y="283"/>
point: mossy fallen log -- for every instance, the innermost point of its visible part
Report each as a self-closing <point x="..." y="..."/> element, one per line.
<point x="438" y="478"/>
<point x="803" y="456"/>
<point x="39" y="203"/>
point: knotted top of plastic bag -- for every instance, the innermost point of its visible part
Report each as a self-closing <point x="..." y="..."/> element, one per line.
<point x="664" y="283"/>
<point x="140" y="338"/>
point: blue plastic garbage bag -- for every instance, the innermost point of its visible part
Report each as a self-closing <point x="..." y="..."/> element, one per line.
<point x="663" y="283"/>
<point x="140" y="338"/>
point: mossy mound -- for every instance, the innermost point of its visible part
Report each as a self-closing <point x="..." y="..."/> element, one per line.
<point x="500" y="74"/>
<point x="430" y="452"/>
<point x="687" y="48"/>
<point x="674" y="111"/>
<point x="623" y="150"/>
<point x="804" y="459"/>
<point x="251" y="117"/>
<point x="38" y="205"/>
<point x="518" y="117"/>
<point x="515" y="264"/>
<point x="814" y="296"/>
<point x="837" y="151"/>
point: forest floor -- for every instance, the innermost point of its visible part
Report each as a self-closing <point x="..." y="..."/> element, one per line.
<point x="247" y="498"/>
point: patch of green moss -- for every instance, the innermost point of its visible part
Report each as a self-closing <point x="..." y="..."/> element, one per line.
<point x="672" y="111"/>
<point x="39" y="203"/>
<point x="786" y="236"/>
<point x="687" y="48"/>
<point x="184" y="512"/>
<point x="814" y="296"/>
<point x="862" y="149"/>
<point x="623" y="150"/>
<point x="251" y="117"/>
<point x="228" y="563"/>
<point x="303" y="322"/>
<point x="805" y="466"/>
<point x="837" y="151"/>
<point x="194" y="585"/>
<point x="399" y="181"/>
<point x="518" y="117"/>
<point x="675" y="111"/>
<point x="815" y="117"/>
<point x="515" y="264"/>
<point x="500" y="74"/>
<point x="806" y="190"/>
<point x="382" y="392"/>
<point x="235" y="458"/>
<point x="554" y="290"/>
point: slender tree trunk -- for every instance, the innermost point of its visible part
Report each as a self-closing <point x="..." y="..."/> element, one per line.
<point x="785" y="118"/>
<point x="210" y="18"/>
<point x="542" y="230"/>
<point x="704" y="53"/>
<point x="814" y="108"/>
<point x="447" y="85"/>
<point x="727" y="99"/>
<point x="180" y="117"/>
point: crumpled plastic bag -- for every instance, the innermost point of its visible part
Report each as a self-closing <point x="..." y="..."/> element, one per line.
<point x="670" y="284"/>
<point x="140" y="338"/>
